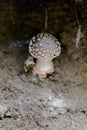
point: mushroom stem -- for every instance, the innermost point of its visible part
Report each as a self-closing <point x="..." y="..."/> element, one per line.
<point x="43" y="67"/>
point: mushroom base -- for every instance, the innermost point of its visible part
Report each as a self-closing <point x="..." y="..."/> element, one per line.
<point x="43" y="67"/>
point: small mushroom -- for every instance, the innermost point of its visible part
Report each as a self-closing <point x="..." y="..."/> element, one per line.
<point x="44" y="47"/>
<point x="28" y="64"/>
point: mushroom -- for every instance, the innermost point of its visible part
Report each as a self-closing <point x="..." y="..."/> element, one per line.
<point x="44" y="48"/>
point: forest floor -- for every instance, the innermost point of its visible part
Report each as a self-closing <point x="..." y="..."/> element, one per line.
<point x="58" y="102"/>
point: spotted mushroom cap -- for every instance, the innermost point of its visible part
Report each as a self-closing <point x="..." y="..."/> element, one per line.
<point x="44" y="46"/>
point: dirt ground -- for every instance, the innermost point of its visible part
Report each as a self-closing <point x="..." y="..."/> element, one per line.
<point x="58" y="102"/>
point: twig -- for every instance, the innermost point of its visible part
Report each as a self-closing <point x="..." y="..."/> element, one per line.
<point x="78" y="34"/>
<point x="46" y="18"/>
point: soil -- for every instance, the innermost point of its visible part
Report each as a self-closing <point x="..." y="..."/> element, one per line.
<point x="27" y="102"/>
<point x="58" y="102"/>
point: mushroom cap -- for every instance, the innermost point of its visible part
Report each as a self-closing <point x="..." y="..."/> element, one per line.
<point x="44" y="46"/>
